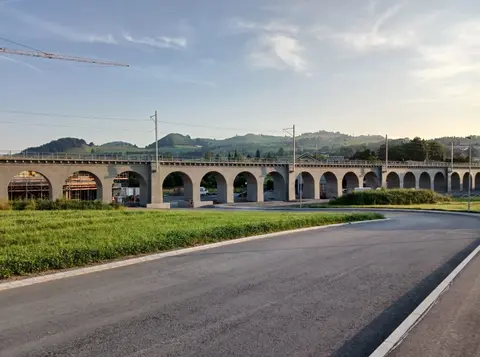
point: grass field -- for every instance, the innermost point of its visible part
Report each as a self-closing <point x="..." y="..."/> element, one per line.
<point x="38" y="241"/>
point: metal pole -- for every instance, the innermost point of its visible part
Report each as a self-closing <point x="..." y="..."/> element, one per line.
<point x="451" y="157"/>
<point x="293" y="148"/>
<point x="156" y="140"/>
<point x="469" y="173"/>
<point x="386" y="152"/>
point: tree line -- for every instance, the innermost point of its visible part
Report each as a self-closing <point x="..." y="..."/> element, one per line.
<point x="416" y="149"/>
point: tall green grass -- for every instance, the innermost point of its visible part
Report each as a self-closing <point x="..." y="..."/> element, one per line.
<point x="37" y="241"/>
<point x="59" y="204"/>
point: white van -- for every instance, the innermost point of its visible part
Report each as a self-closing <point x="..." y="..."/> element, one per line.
<point x="203" y="191"/>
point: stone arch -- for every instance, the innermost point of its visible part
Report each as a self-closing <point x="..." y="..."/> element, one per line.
<point x="214" y="180"/>
<point x="305" y="185"/>
<point x="439" y="182"/>
<point x="328" y="185"/>
<point x="83" y="185"/>
<point x="477" y="181"/>
<point x="371" y="180"/>
<point x="350" y="181"/>
<point x="425" y="181"/>
<point x="455" y="182"/>
<point x="278" y="189"/>
<point x="246" y="183"/>
<point x="29" y="185"/>
<point x="466" y="181"/>
<point x="409" y="180"/>
<point x="130" y="188"/>
<point x="393" y="180"/>
<point x="177" y="187"/>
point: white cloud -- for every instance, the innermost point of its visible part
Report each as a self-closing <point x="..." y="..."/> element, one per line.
<point x="279" y="52"/>
<point x="25" y="64"/>
<point x="271" y="26"/>
<point x="459" y="55"/>
<point x="373" y="35"/>
<point x="159" y="42"/>
<point x="63" y="31"/>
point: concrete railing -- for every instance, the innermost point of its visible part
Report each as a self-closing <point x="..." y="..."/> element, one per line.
<point x="278" y="161"/>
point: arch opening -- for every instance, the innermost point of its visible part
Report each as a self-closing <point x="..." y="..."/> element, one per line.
<point x="455" y="182"/>
<point x="83" y="186"/>
<point x="425" y="181"/>
<point x="328" y="185"/>
<point x="467" y="181"/>
<point x="305" y="186"/>
<point x="409" y="180"/>
<point x="129" y="188"/>
<point x="245" y="187"/>
<point x="29" y="185"/>
<point x="371" y="180"/>
<point x="477" y="181"/>
<point x="349" y="182"/>
<point x="393" y="180"/>
<point x="439" y="183"/>
<point x="274" y="187"/>
<point x="177" y="188"/>
<point x="213" y="187"/>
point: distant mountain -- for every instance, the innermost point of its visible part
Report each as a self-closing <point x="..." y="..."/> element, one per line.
<point x="178" y="144"/>
<point x="62" y="145"/>
<point x="118" y="144"/>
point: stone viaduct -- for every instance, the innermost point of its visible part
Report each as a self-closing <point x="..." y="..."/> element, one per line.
<point x="334" y="176"/>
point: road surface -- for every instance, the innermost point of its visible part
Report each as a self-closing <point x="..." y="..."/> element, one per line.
<point x="333" y="292"/>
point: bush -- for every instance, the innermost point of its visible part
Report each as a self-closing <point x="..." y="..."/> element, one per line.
<point x="60" y="204"/>
<point x="390" y="197"/>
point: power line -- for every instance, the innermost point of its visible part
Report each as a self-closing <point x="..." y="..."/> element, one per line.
<point x="128" y="120"/>
<point x="72" y="126"/>
<point x="71" y="116"/>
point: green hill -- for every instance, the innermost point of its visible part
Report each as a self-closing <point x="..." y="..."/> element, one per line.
<point x="63" y="145"/>
<point x="176" y="144"/>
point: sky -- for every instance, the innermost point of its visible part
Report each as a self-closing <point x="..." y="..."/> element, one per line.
<point x="217" y="68"/>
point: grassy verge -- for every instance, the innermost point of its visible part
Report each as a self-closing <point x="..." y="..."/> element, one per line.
<point x="446" y="206"/>
<point x="37" y="241"/>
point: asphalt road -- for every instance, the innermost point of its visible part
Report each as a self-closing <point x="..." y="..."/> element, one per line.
<point x="333" y="292"/>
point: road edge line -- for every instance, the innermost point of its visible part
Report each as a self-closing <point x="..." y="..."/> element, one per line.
<point x="402" y="331"/>
<point x="156" y="256"/>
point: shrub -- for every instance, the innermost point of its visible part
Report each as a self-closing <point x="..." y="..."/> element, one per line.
<point x="390" y="197"/>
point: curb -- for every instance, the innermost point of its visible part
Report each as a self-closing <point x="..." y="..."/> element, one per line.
<point x="373" y="209"/>
<point x="401" y="332"/>
<point x="152" y="257"/>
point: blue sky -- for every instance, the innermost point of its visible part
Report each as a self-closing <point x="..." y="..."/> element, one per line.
<point x="222" y="67"/>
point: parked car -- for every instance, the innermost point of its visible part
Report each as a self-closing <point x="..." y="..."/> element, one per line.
<point x="203" y="191"/>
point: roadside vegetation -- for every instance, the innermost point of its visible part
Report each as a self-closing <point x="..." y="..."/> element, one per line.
<point x="400" y="198"/>
<point x="39" y="241"/>
<point x="391" y="197"/>
<point x="60" y="204"/>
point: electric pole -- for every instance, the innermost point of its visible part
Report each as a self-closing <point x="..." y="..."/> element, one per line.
<point x="287" y="130"/>
<point x="469" y="171"/>
<point x="155" y="119"/>
<point x="386" y="152"/>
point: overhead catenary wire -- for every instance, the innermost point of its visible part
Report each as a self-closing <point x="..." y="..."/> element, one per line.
<point x="174" y="123"/>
